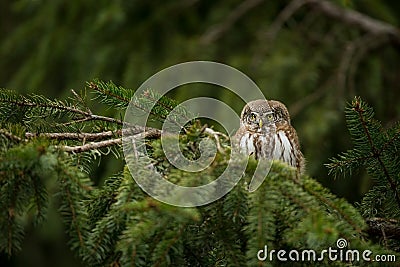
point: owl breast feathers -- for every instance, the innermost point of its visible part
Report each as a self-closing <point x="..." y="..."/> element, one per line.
<point x="265" y="132"/>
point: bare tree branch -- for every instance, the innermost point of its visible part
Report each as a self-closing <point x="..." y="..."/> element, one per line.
<point x="76" y="136"/>
<point x="216" y="135"/>
<point x="366" y="45"/>
<point x="349" y="17"/>
<point x="269" y="37"/>
<point x="217" y="31"/>
<point x="91" y="146"/>
<point x="347" y="66"/>
<point x="354" y="18"/>
<point x="149" y="133"/>
<point x="129" y="132"/>
<point x="352" y="54"/>
<point x="285" y="14"/>
<point x="306" y="101"/>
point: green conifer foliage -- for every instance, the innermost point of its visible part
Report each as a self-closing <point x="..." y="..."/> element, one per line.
<point x="377" y="150"/>
<point x="46" y="142"/>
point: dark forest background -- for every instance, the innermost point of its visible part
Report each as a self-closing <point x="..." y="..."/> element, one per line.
<point x="314" y="56"/>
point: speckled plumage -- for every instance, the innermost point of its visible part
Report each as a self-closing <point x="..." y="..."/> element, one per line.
<point x="265" y="132"/>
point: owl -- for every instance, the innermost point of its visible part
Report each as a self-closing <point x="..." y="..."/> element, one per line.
<point x="265" y="132"/>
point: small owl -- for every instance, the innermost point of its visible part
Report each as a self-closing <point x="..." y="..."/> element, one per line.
<point x="265" y="132"/>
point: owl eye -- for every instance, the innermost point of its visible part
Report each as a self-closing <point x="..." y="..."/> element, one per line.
<point x="253" y="117"/>
<point x="270" y="117"/>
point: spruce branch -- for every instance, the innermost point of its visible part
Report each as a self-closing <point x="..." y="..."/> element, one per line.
<point x="347" y="162"/>
<point x="336" y="206"/>
<point x="118" y="223"/>
<point x="160" y="259"/>
<point x="47" y="106"/>
<point x="312" y="188"/>
<point x="390" y="141"/>
<point x="376" y="149"/>
<point x="376" y="153"/>
<point x="110" y="94"/>
<point x="119" y="97"/>
<point x="74" y="219"/>
<point x="75" y="188"/>
<point x="26" y="102"/>
<point x="161" y="107"/>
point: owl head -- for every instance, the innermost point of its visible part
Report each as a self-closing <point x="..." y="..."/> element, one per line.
<point x="261" y="115"/>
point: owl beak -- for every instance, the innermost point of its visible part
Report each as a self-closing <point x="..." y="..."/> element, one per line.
<point x="260" y="123"/>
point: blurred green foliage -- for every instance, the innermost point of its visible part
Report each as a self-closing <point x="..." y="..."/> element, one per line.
<point x="314" y="64"/>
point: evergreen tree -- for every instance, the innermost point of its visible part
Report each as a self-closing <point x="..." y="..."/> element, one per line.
<point x="49" y="147"/>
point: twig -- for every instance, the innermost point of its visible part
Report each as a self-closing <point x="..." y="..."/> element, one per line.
<point x="269" y="37"/>
<point x="76" y="136"/>
<point x="76" y="121"/>
<point x="11" y="136"/>
<point x="354" y="18"/>
<point x="78" y="97"/>
<point x="103" y="118"/>
<point x="285" y="14"/>
<point x="96" y="136"/>
<point x="91" y="146"/>
<point x="298" y="106"/>
<point x="344" y="64"/>
<point x="217" y="31"/>
<point x="215" y="134"/>
<point x="365" y="44"/>
<point x="134" y="133"/>
<point x="149" y="133"/>
<point x="352" y="55"/>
